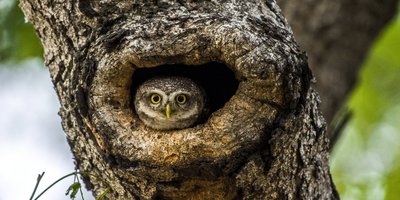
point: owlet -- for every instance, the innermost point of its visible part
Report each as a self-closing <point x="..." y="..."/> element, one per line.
<point x="167" y="103"/>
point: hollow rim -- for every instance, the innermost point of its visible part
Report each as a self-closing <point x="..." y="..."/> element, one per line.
<point x="239" y="124"/>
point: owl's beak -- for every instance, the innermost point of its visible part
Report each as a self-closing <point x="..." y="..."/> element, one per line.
<point x="168" y="111"/>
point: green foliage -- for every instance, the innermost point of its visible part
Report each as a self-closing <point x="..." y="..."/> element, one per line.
<point x="379" y="80"/>
<point x="392" y="182"/>
<point x="73" y="189"/>
<point x="103" y="194"/>
<point x="366" y="161"/>
<point x="17" y="38"/>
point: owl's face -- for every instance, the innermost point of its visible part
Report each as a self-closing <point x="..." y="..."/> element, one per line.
<point x="167" y="103"/>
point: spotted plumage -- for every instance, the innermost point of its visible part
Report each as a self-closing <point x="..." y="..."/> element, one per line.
<point x="167" y="103"/>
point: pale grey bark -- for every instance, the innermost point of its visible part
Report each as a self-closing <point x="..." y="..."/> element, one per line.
<point x="266" y="142"/>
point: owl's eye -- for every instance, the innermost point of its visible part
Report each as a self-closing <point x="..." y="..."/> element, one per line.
<point x="155" y="98"/>
<point x="181" y="99"/>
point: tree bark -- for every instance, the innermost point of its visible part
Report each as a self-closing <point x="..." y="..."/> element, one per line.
<point x="267" y="141"/>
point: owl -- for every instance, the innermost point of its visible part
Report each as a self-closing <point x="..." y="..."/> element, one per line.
<point x="168" y="103"/>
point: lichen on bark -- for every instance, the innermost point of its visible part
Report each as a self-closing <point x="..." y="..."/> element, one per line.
<point x="266" y="142"/>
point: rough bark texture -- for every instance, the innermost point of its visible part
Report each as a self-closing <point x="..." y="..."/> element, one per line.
<point x="267" y="141"/>
<point x="337" y="36"/>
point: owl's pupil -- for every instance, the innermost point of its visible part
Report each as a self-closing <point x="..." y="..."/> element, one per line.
<point x="181" y="99"/>
<point x="155" y="98"/>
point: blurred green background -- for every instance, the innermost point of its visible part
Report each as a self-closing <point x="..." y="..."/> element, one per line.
<point x="365" y="163"/>
<point x="17" y="38"/>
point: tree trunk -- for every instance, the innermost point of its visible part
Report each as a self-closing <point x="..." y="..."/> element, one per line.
<point x="266" y="140"/>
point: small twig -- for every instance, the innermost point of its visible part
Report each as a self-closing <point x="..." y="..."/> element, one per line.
<point x="80" y="188"/>
<point x="39" y="178"/>
<point x="338" y="124"/>
<point x="60" y="179"/>
<point x="103" y="194"/>
<point x="76" y="180"/>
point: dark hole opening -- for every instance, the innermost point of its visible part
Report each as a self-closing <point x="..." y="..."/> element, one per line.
<point x="217" y="80"/>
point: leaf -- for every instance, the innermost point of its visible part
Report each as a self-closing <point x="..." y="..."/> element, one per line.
<point x="73" y="190"/>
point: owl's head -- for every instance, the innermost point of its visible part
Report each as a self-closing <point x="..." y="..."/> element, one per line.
<point x="166" y="103"/>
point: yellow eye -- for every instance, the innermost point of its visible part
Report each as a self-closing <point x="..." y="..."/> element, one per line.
<point x="155" y="98"/>
<point x="181" y="99"/>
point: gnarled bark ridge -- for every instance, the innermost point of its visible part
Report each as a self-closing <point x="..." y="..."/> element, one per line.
<point x="267" y="141"/>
